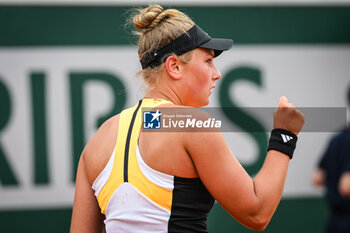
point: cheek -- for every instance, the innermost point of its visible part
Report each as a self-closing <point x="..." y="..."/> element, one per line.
<point x="201" y="86"/>
<point x="201" y="78"/>
<point x="199" y="90"/>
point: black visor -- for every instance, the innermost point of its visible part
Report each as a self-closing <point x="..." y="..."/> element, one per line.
<point x="193" y="38"/>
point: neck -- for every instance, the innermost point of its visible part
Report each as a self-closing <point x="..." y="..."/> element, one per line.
<point x="165" y="88"/>
<point x="166" y="94"/>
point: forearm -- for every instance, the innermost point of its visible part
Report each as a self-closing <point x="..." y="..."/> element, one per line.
<point x="269" y="183"/>
<point x="318" y="178"/>
<point x="344" y="185"/>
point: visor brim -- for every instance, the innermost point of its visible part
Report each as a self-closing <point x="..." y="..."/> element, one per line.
<point x="218" y="45"/>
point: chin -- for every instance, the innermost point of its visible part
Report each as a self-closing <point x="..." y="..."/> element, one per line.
<point x="200" y="104"/>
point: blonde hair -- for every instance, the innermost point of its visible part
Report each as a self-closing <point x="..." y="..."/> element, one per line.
<point x="158" y="27"/>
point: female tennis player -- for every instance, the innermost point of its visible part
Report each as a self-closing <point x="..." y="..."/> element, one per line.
<point x="129" y="180"/>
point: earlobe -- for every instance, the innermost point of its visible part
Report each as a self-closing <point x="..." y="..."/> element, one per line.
<point x="173" y="67"/>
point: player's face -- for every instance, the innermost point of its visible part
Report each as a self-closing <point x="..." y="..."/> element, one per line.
<point x="200" y="74"/>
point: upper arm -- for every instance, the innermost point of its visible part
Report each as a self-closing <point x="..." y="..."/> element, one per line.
<point x="86" y="216"/>
<point x="221" y="173"/>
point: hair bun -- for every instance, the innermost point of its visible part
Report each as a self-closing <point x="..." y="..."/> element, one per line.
<point x="148" y="17"/>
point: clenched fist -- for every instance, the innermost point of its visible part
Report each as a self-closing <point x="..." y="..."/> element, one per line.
<point x="287" y="117"/>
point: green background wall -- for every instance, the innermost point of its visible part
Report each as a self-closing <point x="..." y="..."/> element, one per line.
<point x="101" y="26"/>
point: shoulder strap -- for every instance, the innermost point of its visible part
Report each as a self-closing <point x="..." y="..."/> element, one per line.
<point x="130" y="122"/>
<point x="134" y="129"/>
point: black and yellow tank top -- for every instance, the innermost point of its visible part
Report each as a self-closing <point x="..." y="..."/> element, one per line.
<point x="136" y="198"/>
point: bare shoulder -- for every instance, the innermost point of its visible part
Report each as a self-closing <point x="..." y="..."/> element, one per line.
<point x="202" y="136"/>
<point x="197" y="123"/>
<point x="183" y="141"/>
<point x="100" y="148"/>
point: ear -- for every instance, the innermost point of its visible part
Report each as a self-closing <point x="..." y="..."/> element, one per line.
<point x="173" y="67"/>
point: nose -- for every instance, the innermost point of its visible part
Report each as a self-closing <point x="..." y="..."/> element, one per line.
<point x="216" y="74"/>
